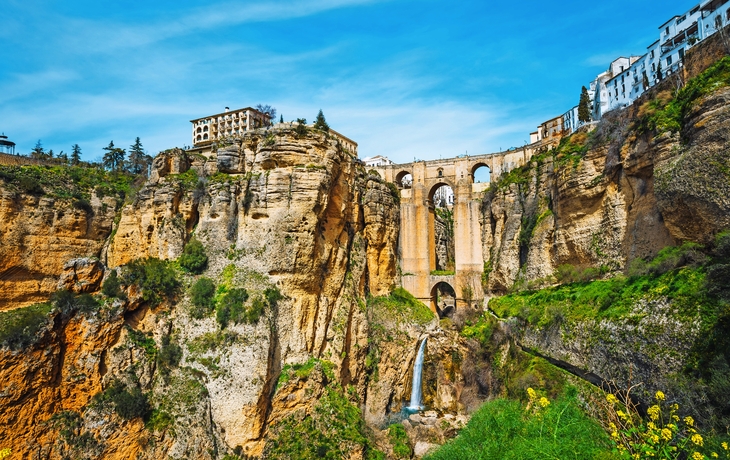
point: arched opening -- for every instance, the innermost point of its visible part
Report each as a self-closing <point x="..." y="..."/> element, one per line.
<point x="205" y="137"/>
<point x="481" y="173"/>
<point x="199" y="130"/>
<point x="205" y="129"/>
<point x="404" y="179"/>
<point x="441" y="230"/>
<point x="443" y="299"/>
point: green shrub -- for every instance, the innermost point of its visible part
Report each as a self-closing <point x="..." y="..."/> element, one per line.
<point x="129" y="403"/>
<point x="505" y="429"/>
<point x="112" y="286"/>
<point x="402" y="306"/>
<point x="399" y="440"/>
<point x="156" y="278"/>
<point x="169" y="355"/>
<point x="273" y="296"/>
<point x="231" y="307"/>
<point x="335" y="429"/>
<point x="160" y="420"/>
<point x="67" y="303"/>
<point x="202" y="295"/>
<point x="143" y="341"/>
<point x="193" y="258"/>
<point x="19" y="327"/>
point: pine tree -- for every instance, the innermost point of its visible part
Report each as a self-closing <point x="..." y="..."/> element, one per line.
<point x="113" y="158"/>
<point x="320" y="123"/>
<point x="75" y="154"/>
<point x="281" y="119"/>
<point x="50" y="153"/>
<point x="584" y="106"/>
<point x="138" y="159"/>
<point x="38" y="151"/>
<point x="63" y="157"/>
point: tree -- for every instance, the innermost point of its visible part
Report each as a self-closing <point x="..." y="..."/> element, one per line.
<point x="301" y="129"/>
<point x="50" y="153"/>
<point x="584" y="106"/>
<point x="113" y="158"/>
<point x="63" y="157"/>
<point x="75" y="154"/>
<point x="659" y="71"/>
<point x="320" y="123"/>
<point x="281" y="119"/>
<point x="138" y="160"/>
<point x="268" y="111"/>
<point x="645" y="82"/>
<point x="38" y="151"/>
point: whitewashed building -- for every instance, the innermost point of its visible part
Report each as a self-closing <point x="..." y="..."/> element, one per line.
<point x="714" y="15"/>
<point x="377" y="160"/>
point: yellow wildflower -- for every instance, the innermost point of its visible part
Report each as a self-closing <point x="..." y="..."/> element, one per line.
<point x="636" y="456"/>
<point x="654" y="412"/>
<point x="674" y="406"/>
<point x="654" y="439"/>
<point x="543" y="402"/>
<point x="614" y="435"/>
<point x="612" y="426"/>
<point x="611" y="398"/>
<point x="531" y="393"/>
<point x="659" y="396"/>
<point x="697" y="456"/>
<point x="697" y="439"/>
<point x="5" y="453"/>
<point x="675" y="418"/>
<point x="651" y="426"/>
<point x="714" y="455"/>
<point x="689" y="420"/>
<point x="666" y="434"/>
<point x="724" y="445"/>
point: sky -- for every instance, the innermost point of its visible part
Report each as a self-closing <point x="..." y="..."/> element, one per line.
<point x="408" y="79"/>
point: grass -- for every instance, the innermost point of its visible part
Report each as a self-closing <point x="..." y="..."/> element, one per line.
<point x="401" y="305"/>
<point x="506" y="429"/>
<point x="303" y="370"/>
<point x="19" y="327"/>
<point x="442" y="272"/>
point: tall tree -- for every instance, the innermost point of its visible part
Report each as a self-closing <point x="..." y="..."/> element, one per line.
<point x="38" y="151"/>
<point x="584" y="106"/>
<point x="138" y="160"/>
<point x="281" y="118"/>
<point x="320" y="122"/>
<point x="75" y="154"/>
<point x="268" y="111"/>
<point x="63" y="157"/>
<point x="113" y="158"/>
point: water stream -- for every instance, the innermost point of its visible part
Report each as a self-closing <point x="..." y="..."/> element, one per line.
<point x="416" y="403"/>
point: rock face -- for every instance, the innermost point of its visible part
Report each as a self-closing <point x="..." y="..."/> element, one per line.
<point x="273" y="210"/>
<point x="629" y="196"/>
<point x="38" y="236"/>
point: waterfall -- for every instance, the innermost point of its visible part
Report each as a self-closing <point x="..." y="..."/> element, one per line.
<point x="417" y="371"/>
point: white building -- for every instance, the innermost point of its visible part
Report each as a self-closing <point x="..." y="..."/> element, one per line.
<point x="377" y="160"/>
<point x="714" y="15"/>
<point x="229" y="123"/>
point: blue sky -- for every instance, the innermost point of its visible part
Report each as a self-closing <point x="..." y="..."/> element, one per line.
<point x="403" y="78"/>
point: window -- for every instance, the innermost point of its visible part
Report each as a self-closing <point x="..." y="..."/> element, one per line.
<point x="666" y="31"/>
<point x="653" y="67"/>
<point x="669" y="61"/>
<point x="651" y="55"/>
<point x="681" y="54"/>
<point x="680" y="20"/>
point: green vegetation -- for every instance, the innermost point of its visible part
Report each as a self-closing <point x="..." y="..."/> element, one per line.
<point x="334" y="430"/>
<point x="442" y="272"/>
<point x="68" y="182"/>
<point x="584" y="106"/>
<point x="112" y="286"/>
<point x="169" y="356"/>
<point x="187" y="181"/>
<point x="231" y="307"/>
<point x="128" y="403"/>
<point x="211" y="341"/>
<point x="667" y="111"/>
<point x="542" y="429"/>
<point x="144" y="341"/>
<point x="401" y="306"/>
<point x="320" y="123"/>
<point x="67" y="303"/>
<point x="193" y="258"/>
<point x="399" y="440"/>
<point x="394" y="192"/>
<point x="19" y="327"/>
<point x="303" y="370"/>
<point x="202" y="297"/>
<point x="156" y="278"/>
<point x="301" y="129"/>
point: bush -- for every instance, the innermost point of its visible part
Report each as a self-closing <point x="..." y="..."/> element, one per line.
<point x="399" y="440"/>
<point x="202" y="297"/>
<point x="231" y="307"/>
<point x="67" y="303"/>
<point x="273" y="296"/>
<point x="30" y="185"/>
<point x="19" y="327"/>
<point x="169" y="356"/>
<point x="128" y="403"/>
<point x="401" y="305"/>
<point x="112" y="286"/>
<point x="506" y="429"/>
<point x="156" y="278"/>
<point x="193" y="258"/>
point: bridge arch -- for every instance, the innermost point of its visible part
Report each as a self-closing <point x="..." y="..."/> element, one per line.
<point x="443" y="299"/>
<point x="480" y="172"/>
<point x="437" y="185"/>
<point x="404" y="179"/>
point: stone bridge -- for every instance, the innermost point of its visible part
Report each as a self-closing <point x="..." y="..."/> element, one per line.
<point x="417" y="247"/>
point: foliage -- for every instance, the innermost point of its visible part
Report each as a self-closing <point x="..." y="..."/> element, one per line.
<point x="273" y="296"/>
<point x="231" y="307"/>
<point x="113" y="159"/>
<point x="129" y="403"/>
<point x="667" y="112"/>
<point x="202" y="297"/>
<point x="156" y="278"/>
<point x="211" y="341"/>
<point x="399" y="440"/>
<point x="169" y="355"/>
<point x="320" y="123"/>
<point x="67" y="303"/>
<point x="301" y="129"/>
<point x="112" y="286"/>
<point x="335" y="429"/>
<point x="400" y="305"/>
<point x="302" y="371"/>
<point x="542" y="429"/>
<point x="193" y="258"/>
<point x="267" y="110"/>
<point x="584" y="106"/>
<point x="160" y="420"/>
<point x="144" y="341"/>
<point x="188" y="180"/>
<point x="138" y="161"/>
<point x="67" y="182"/>
<point x="19" y="327"/>
<point x="664" y="435"/>
<point x="442" y="272"/>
